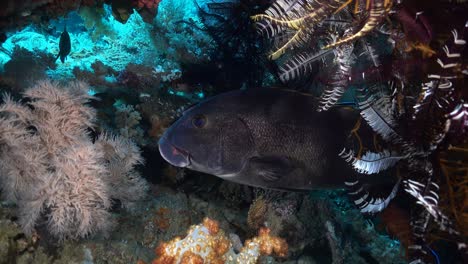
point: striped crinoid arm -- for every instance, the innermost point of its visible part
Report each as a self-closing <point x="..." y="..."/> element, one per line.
<point x="293" y="40"/>
<point x="378" y="11"/>
<point x="340" y="79"/>
<point x="311" y="14"/>
<point x="441" y="101"/>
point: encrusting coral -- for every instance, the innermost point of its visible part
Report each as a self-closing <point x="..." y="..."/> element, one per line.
<point x="207" y="243"/>
<point x="257" y="212"/>
<point x="52" y="169"/>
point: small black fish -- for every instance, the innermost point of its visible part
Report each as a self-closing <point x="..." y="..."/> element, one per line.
<point x="265" y="137"/>
<point x="64" y="45"/>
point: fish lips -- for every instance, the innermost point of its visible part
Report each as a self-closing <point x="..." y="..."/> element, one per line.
<point x="172" y="154"/>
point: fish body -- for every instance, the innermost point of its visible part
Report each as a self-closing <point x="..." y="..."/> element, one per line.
<point x="64" y="45"/>
<point x="264" y="137"/>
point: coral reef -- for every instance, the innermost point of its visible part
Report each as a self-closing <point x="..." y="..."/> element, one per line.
<point x="148" y="60"/>
<point x="150" y="4"/>
<point x="100" y="76"/>
<point x="169" y="213"/>
<point x="397" y="224"/>
<point x="40" y="11"/>
<point x="24" y="68"/>
<point x="207" y="243"/>
<point x="140" y="78"/>
<point x="177" y="25"/>
<point x="127" y="121"/>
<point x="53" y="171"/>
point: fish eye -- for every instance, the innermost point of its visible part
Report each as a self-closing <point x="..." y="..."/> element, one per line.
<point x="199" y="121"/>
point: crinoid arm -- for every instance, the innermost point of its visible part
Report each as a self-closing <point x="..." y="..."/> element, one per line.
<point x="366" y="202"/>
<point x="426" y="192"/>
<point x="371" y="162"/>
<point x="301" y="16"/>
<point x="441" y="93"/>
<point x="300" y="65"/>
<point x="313" y="13"/>
<point x="458" y="123"/>
<point x="378" y="11"/>
<point x="340" y="79"/>
<point x="277" y="53"/>
<point x="377" y="111"/>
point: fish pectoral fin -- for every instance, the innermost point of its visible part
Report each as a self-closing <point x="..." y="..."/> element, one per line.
<point x="271" y="168"/>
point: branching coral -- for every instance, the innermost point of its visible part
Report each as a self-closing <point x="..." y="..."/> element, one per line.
<point x="206" y="243"/>
<point x="54" y="172"/>
<point x="127" y="121"/>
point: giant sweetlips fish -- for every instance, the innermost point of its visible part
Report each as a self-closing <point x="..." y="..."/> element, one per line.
<point x="266" y="137"/>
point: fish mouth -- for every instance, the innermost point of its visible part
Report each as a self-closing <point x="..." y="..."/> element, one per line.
<point x="172" y="154"/>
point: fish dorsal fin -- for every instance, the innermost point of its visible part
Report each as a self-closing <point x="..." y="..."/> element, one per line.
<point x="270" y="168"/>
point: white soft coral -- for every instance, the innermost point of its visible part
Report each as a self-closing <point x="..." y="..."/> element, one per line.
<point x="54" y="172"/>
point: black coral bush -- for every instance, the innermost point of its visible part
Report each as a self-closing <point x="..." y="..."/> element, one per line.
<point x="52" y="170"/>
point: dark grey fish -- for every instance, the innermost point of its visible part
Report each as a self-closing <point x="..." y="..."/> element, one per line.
<point x="64" y="45"/>
<point x="266" y="137"/>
